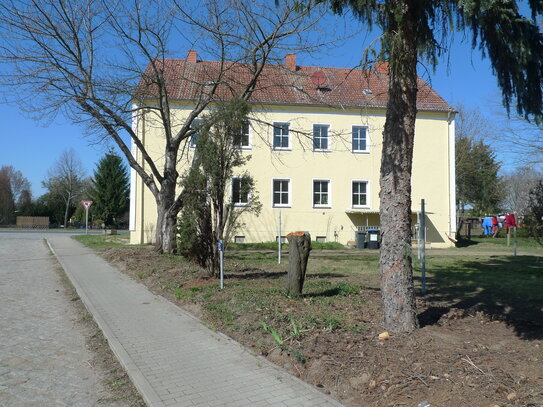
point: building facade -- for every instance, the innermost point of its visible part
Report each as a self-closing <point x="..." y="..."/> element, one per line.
<point x="315" y="138"/>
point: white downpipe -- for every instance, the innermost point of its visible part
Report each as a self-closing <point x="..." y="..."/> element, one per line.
<point x="133" y="179"/>
<point x="452" y="176"/>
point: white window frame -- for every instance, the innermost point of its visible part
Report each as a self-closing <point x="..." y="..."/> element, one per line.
<point x="249" y="138"/>
<point x="367" y="194"/>
<point x="367" y="150"/>
<point x="289" y="192"/>
<point x="289" y="144"/>
<point x="240" y="204"/>
<point x="328" y="137"/>
<point x="329" y="181"/>
<point x="195" y="122"/>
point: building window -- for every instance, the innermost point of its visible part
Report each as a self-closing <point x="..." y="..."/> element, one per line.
<point x="281" y="136"/>
<point x="320" y="137"/>
<point x="196" y="124"/>
<point x="281" y="192"/>
<point x="321" y="239"/>
<point x="239" y="239"/>
<point x="321" y="193"/>
<point x="241" y="140"/>
<point x="360" y="138"/>
<point x="360" y="193"/>
<point x="240" y="190"/>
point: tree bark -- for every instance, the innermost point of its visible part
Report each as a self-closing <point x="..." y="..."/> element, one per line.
<point x="299" y="248"/>
<point x="397" y="290"/>
<point x="166" y="219"/>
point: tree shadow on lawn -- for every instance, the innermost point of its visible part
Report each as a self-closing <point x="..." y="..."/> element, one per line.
<point x="463" y="242"/>
<point x="509" y="289"/>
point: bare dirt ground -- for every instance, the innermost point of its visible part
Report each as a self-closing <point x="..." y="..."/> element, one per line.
<point x="466" y="353"/>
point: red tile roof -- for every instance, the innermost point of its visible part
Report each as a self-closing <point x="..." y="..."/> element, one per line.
<point x="277" y="85"/>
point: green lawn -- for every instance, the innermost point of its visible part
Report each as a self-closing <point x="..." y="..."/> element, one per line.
<point x="500" y="243"/>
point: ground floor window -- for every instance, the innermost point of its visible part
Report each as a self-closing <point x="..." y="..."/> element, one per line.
<point x="281" y="192"/>
<point x="240" y="190"/>
<point x="321" y="192"/>
<point x="360" y="193"/>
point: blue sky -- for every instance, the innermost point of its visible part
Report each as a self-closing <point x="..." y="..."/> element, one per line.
<point x="32" y="147"/>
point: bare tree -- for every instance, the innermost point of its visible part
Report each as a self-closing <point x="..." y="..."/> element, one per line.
<point x="66" y="180"/>
<point x="105" y="63"/>
<point x="523" y="140"/>
<point x="518" y="184"/>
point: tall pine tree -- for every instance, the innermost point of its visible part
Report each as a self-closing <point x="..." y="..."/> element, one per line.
<point x="110" y="189"/>
<point x="415" y="31"/>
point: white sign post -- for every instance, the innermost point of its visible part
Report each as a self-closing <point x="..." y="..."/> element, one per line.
<point x="220" y="246"/>
<point x="87" y="205"/>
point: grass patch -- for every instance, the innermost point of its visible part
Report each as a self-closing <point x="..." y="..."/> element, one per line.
<point x="500" y="244"/>
<point x="284" y="246"/>
<point x="103" y="241"/>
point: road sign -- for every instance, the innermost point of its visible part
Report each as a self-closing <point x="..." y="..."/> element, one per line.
<point x="86" y="204"/>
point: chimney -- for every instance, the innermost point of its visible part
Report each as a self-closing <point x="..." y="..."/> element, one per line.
<point x="290" y="62"/>
<point x="192" y="56"/>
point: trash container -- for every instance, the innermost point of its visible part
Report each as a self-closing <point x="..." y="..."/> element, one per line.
<point x="373" y="239"/>
<point x="360" y="240"/>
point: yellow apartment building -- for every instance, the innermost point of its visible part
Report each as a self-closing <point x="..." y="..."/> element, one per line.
<point x="315" y="139"/>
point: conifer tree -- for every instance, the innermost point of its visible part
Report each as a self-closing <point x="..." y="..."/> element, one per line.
<point x="416" y="31"/>
<point x="110" y="189"/>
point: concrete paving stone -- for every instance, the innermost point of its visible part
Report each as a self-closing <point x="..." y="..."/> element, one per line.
<point x="169" y="352"/>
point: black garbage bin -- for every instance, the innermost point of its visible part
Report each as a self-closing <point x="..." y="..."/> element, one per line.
<point x="373" y="239"/>
<point x="360" y="240"/>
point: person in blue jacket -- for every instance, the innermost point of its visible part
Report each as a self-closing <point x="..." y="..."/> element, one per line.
<point x="487" y="225"/>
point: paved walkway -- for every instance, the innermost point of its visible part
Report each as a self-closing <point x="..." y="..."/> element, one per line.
<point x="43" y="356"/>
<point x="171" y="357"/>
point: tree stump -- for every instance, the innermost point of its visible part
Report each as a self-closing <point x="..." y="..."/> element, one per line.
<point x="299" y="248"/>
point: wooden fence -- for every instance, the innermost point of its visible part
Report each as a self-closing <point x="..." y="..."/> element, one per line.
<point x="33" y="222"/>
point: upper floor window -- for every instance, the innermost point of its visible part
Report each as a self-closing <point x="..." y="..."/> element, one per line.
<point x="321" y="192"/>
<point x="241" y="139"/>
<point x="196" y="123"/>
<point x="360" y="138"/>
<point x="321" y="139"/>
<point x="240" y="190"/>
<point x="360" y="193"/>
<point x="281" y="136"/>
<point x="281" y="192"/>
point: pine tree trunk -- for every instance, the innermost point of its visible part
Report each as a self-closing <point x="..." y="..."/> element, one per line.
<point x="397" y="290"/>
<point x="299" y="244"/>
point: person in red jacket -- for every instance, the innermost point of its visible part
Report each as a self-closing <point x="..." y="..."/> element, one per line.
<point x="495" y="229"/>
